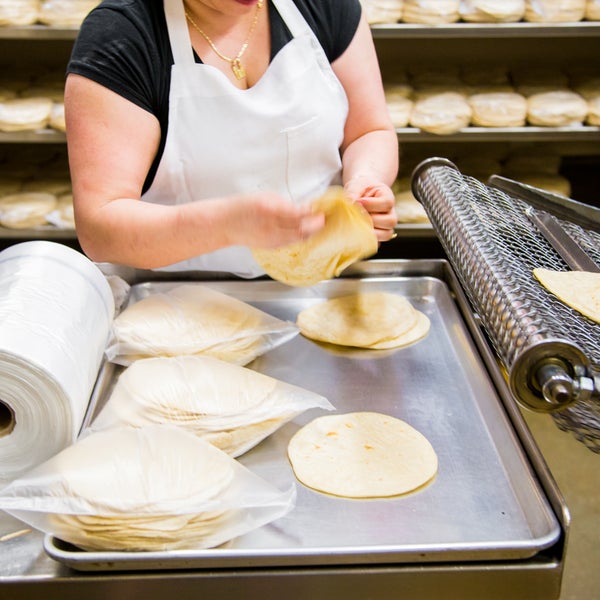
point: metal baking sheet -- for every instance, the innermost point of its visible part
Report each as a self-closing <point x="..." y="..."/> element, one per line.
<point x="485" y="503"/>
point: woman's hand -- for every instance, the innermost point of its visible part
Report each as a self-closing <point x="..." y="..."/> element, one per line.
<point x="378" y="200"/>
<point x="269" y="221"/>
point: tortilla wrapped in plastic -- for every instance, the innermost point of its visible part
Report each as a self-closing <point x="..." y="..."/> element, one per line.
<point x="194" y="319"/>
<point x="232" y="407"/>
<point x="150" y="489"/>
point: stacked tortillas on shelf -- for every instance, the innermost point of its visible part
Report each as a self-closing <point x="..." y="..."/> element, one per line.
<point x="431" y="12"/>
<point x="24" y="210"/>
<point x="232" y="407"/>
<point x="554" y="11"/>
<point x="556" y="109"/>
<point x="25" y="114"/>
<point x="382" y="11"/>
<point x="492" y="11"/>
<point x="592" y="10"/>
<point x="362" y="455"/>
<point x="498" y="109"/>
<point x="18" y="12"/>
<point x="408" y="208"/>
<point x="441" y="113"/>
<point x="65" y="13"/>
<point x="347" y="237"/>
<point x="374" y="320"/>
<point x="194" y="319"/>
<point x="156" y="488"/>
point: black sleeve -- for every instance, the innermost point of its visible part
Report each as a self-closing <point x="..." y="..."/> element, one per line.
<point x="334" y="22"/>
<point x="117" y="46"/>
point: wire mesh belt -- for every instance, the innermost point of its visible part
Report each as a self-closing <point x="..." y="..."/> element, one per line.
<point x="493" y="247"/>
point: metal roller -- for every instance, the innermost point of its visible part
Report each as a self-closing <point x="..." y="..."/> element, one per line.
<point x="551" y="352"/>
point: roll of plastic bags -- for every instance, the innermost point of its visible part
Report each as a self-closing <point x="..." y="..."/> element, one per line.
<point x="56" y="311"/>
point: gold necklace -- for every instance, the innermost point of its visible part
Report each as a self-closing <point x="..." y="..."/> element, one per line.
<point x="236" y="63"/>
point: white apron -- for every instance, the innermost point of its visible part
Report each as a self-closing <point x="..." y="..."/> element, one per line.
<point x="281" y="135"/>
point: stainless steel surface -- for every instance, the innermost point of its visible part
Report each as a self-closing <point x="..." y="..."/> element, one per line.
<point x="494" y="247"/>
<point x="569" y="251"/>
<point x="475" y="30"/>
<point x="585" y="133"/>
<point x="469" y="416"/>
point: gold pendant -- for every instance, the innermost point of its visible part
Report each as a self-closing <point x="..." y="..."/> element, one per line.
<point x="238" y="68"/>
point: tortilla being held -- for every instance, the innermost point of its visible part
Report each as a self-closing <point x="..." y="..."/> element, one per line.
<point x="347" y="237"/>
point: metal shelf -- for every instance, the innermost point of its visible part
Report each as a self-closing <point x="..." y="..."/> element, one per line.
<point x="481" y="30"/>
<point x="583" y="133"/>
<point x="38" y="32"/>
<point x="38" y="136"/>
<point x="39" y="233"/>
<point x="391" y="30"/>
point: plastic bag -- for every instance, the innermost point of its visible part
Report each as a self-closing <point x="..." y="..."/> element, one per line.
<point x="232" y="407"/>
<point x="194" y="319"/>
<point x="155" y="488"/>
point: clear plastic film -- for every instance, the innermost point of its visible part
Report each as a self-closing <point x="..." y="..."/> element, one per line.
<point x="154" y="488"/>
<point x="194" y="319"/>
<point x="56" y="310"/>
<point x="232" y="407"/>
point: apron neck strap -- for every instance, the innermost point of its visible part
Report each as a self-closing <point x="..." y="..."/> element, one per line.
<point x="292" y="17"/>
<point x="179" y="36"/>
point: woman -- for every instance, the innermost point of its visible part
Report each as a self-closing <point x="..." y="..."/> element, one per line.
<point x="225" y="117"/>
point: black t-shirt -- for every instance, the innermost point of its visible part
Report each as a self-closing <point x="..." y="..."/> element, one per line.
<point x="124" y="46"/>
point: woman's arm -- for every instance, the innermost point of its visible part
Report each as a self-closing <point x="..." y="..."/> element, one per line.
<point x="370" y="148"/>
<point x="112" y="143"/>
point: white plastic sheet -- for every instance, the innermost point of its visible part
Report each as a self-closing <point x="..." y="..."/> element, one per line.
<point x="56" y="310"/>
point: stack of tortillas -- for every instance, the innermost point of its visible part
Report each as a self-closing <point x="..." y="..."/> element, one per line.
<point x="554" y="11"/>
<point x="24" y="210"/>
<point x="578" y="289"/>
<point x="18" y="12"/>
<point x="362" y="455"/>
<point x="492" y="11"/>
<point x="382" y="11"/>
<point x="232" y="407"/>
<point x="156" y="488"/>
<point x="65" y="13"/>
<point x="25" y="114"/>
<point x="195" y="319"/>
<point x="347" y="237"/>
<point x="430" y="12"/>
<point x="376" y="320"/>
<point x="558" y="108"/>
<point x="441" y="113"/>
<point x="498" y="109"/>
<point x="408" y="208"/>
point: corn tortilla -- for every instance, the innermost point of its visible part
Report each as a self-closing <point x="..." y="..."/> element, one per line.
<point x="578" y="289"/>
<point x="347" y="237"/>
<point x="362" y="455"/>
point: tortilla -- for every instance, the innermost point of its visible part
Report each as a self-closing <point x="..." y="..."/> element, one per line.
<point x="362" y="455"/>
<point x="232" y="407"/>
<point x="195" y="319"/>
<point x="377" y="320"/>
<point x="347" y="237"/>
<point x="578" y="289"/>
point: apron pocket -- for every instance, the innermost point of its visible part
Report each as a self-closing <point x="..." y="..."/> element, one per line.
<point x="311" y="166"/>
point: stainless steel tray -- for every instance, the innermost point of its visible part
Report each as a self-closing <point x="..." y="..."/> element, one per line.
<point x="486" y="502"/>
